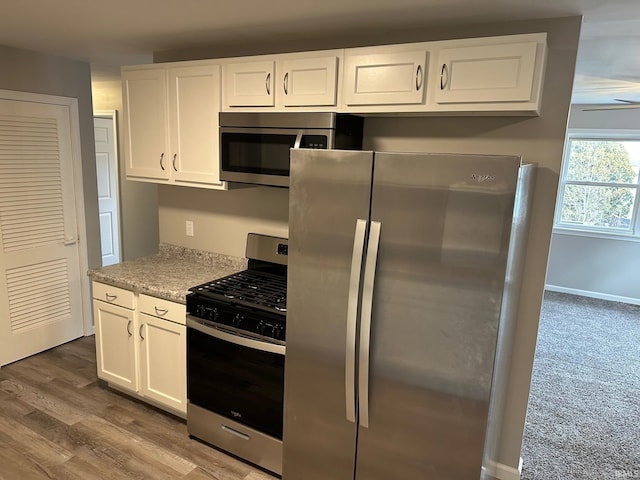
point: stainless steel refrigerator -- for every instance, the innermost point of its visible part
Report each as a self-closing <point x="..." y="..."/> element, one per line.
<point x="403" y="278"/>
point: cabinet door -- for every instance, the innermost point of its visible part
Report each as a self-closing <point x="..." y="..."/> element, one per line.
<point x="163" y="362"/>
<point x="392" y="78"/>
<point x="249" y="84"/>
<point x="308" y="81"/>
<point x="115" y="345"/>
<point x="487" y="73"/>
<point x="145" y="124"/>
<point x="194" y="105"/>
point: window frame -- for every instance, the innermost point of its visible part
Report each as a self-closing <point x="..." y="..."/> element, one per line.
<point x="633" y="233"/>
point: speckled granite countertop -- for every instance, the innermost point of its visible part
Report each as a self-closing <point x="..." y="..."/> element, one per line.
<point x="170" y="273"/>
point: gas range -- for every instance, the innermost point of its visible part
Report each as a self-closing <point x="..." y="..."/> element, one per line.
<point x="251" y="303"/>
<point x="236" y="328"/>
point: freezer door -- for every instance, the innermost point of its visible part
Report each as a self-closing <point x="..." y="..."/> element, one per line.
<point x="329" y="198"/>
<point x="444" y="235"/>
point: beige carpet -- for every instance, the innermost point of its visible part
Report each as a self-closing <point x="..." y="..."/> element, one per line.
<point x="583" y="420"/>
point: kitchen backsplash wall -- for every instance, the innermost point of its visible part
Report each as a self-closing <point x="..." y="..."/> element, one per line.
<point x="221" y="220"/>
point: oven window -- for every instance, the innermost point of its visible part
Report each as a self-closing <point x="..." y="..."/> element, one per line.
<point x="240" y="383"/>
<point x="261" y="153"/>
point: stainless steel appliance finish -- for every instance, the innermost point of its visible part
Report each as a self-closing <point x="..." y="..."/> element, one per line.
<point x="254" y="147"/>
<point x="235" y="356"/>
<point x="399" y="272"/>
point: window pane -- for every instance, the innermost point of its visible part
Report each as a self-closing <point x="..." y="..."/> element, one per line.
<point x="604" y="161"/>
<point x="591" y="206"/>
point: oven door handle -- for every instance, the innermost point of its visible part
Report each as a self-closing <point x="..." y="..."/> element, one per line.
<point x="192" y="322"/>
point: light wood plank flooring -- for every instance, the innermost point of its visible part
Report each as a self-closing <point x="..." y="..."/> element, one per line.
<point x="58" y="421"/>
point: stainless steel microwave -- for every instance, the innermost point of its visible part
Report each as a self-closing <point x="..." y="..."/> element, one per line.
<point x="254" y="147"/>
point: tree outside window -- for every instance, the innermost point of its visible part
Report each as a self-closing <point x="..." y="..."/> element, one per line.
<point x="600" y="185"/>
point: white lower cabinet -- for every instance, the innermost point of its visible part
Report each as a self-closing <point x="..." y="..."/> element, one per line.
<point x="115" y="343"/>
<point x="163" y="354"/>
<point x="141" y="346"/>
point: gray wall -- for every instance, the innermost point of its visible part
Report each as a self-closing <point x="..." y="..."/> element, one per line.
<point x="26" y="71"/>
<point x="537" y="139"/>
<point x="599" y="267"/>
<point x="139" y="230"/>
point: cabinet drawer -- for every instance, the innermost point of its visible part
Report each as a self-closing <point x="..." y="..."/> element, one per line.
<point x="157" y="307"/>
<point x="114" y="295"/>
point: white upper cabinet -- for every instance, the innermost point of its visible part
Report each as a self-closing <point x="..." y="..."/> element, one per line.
<point x="249" y="84"/>
<point x="171" y="123"/>
<point x="385" y="76"/>
<point x="308" y="81"/>
<point x="489" y="74"/>
<point x="282" y="82"/>
<point x="145" y="123"/>
<point x="194" y="104"/>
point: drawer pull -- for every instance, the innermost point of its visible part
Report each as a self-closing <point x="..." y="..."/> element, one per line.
<point x="232" y="431"/>
<point x="161" y="311"/>
<point x="110" y="298"/>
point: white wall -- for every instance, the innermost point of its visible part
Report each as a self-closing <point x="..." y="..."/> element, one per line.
<point x="598" y="267"/>
<point x="139" y="229"/>
<point x="222" y="219"/>
<point x="537" y="139"/>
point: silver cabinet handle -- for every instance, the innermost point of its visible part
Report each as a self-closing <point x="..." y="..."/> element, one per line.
<point x="285" y="83"/>
<point x="129" y="328"/>
<point x="419" y="77"/>
<point x="444" y="76"/>
<point x="352" y="313"/>
<point x="161" y="161"/>
<point x="140" y="331"/>
<point x="268" y="83"/>
<point x="175" y="169"/>
<point x="161" y="311"/>
<point x="365" y="324"/>
<point x="110" y="298"/>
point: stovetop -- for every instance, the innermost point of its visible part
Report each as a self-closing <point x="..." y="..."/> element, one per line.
<point x="250" y="303"/>
<point x="252" y="288"/>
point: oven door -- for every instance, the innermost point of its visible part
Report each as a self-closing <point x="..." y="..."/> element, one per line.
<point x="239" y="378"/>
<point x="261" y="155"/>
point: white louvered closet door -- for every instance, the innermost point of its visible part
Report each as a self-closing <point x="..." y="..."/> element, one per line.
<point x="40" y="299"/>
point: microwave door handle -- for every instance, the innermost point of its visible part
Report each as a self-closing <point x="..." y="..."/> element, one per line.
<point x="352" y="314"/>
<point x="298" y="139"/>
<point x="365" y="323"/>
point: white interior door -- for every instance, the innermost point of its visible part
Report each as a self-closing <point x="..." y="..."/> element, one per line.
<point x="107" y="175"/>
<point x="40" y="282"/>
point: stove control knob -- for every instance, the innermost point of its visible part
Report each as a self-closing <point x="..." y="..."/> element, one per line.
<point x="260" y="327"/>
<point x="277" y="331"/>
<point x="237" y="320"/>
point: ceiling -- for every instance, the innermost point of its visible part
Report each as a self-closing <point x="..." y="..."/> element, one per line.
<point x="117" y="32"/>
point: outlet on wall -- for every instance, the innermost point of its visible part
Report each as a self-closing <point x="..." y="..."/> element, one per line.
<point x="189" y="227"/>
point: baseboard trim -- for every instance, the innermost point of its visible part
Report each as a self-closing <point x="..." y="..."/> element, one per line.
<point x="500" y="471"/>
<point x="590" y="294"/>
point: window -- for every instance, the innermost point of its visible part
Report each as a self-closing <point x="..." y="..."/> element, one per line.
<point x="599" y="183"/>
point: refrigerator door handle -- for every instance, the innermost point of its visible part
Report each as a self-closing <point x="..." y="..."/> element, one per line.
<point x="352" y="314"/>
<point x="365" y="322"/>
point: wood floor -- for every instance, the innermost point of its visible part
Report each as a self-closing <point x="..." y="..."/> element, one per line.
<point x="58" y="421"/>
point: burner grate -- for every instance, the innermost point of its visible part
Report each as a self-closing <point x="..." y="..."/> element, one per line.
<point x="249" y="287"/>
